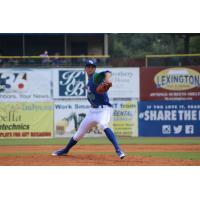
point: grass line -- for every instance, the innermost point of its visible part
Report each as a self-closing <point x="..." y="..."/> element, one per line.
<point x="98" y="141"/>
<point x="24" y="153"/>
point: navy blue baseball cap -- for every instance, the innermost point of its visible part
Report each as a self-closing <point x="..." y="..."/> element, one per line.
<point x="90" y="62"/>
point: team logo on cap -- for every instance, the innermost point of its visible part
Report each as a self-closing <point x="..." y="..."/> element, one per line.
<point x="91" y="62"/>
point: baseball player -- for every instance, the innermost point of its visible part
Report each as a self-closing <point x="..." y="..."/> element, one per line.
<point x="100" y="111"/>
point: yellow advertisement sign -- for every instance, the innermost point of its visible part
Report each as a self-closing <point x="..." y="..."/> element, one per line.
<point x="125" y="120"/>
<point x="177" y="79"/>
<point x="26" y="120"/>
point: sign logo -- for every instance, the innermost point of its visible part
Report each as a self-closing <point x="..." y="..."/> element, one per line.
<point x="189" y="129"/>
<point x="177" y="79"/>
<point x="13" y="82"/>
<point x="72" y="83"/>
<point x="177" y="129"/>
<point x="166" y="129"/>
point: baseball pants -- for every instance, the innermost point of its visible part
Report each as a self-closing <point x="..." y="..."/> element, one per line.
<point x="95" y="116"/>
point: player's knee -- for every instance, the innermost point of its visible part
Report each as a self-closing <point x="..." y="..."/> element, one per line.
<point x="77" y="137"/>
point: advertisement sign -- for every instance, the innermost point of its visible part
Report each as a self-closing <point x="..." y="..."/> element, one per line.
<point x="69" y="83"/>
<point x="125" y="83"/>
<point x="68" y="116"/>
<point x="125" y="118"/>
<point x="26" y="120"/>
<point x="25" y="85"/>
<point x="177" y="83"/>
<point x="169" y="118"/>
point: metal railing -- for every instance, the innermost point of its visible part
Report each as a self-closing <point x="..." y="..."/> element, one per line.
<point x="50" y="61"/>
<point x="172" y="60"/>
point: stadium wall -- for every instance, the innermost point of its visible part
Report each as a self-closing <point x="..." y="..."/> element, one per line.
<point x="26" y="93"/>
<point x="169" y="102"/>
<point x="147" y="102"/>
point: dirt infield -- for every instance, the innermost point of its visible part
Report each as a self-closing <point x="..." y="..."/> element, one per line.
<point x="91" y="155"/>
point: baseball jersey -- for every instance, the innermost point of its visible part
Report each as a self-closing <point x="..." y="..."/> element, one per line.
<point x="93" y="97"/>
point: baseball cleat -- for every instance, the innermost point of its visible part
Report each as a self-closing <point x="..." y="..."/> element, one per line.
<point x="120" y="154"/>
<point x="59" y="152"/>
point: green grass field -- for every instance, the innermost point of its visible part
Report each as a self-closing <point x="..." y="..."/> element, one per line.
<point x="103" y="140"/>
<point x="99" y="141"/>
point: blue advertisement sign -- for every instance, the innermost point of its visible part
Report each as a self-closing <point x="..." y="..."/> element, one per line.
<point x="72" y="83"/>
<point x="169" y="118"/>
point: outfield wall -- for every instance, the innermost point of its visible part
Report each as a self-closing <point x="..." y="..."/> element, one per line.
<point x="169" y="118"/>
<point x="175" y="84"/>
<point x="169" y="102"/>
<point x="147" y="102"/>
<point x="25" y="85"/>
<point x="26" y="120"/>
<point x="25" y="95"/>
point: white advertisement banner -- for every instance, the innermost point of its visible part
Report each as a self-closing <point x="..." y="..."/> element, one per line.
<point x="125" y="83"/>
<point x="25" y="85"/>
<point x="69" y="83"/>
<point x="68" y="116"/>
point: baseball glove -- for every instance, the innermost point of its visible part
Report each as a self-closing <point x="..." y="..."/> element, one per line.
<point x="103" y="87"/>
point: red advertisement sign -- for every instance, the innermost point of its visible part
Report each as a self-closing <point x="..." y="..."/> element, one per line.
<point x="177" y="83"/>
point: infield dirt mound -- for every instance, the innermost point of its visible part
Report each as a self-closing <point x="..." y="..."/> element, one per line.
<point x="87" y="155"/>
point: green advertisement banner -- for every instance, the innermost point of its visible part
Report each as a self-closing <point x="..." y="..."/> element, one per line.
<point x="26" y="120"/>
